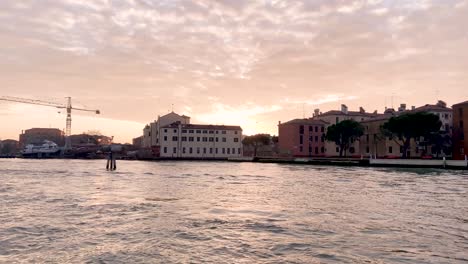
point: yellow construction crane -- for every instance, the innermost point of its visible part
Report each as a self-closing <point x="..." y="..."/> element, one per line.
<point x="67" y="106"/>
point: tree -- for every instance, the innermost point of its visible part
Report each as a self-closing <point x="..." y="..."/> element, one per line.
<point x="256" y="141"/>
<point x="440" y="141"/>
<point x="409" y="126"/>
<point x="344" y="133"/>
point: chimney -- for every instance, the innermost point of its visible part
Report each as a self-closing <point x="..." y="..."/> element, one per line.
<point x="316" y="112"/>
<point x="344" y="109"/>
<point x="441" y="103"/>
<point x="413" y="107"/>
<point x="361" y="110"/>
<point x="279" y="123"/>
<point x="402" y="108"/>
<point x="375" y="112"/>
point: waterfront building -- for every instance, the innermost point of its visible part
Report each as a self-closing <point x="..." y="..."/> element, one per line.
<point x="302" y="137"/>
<point x="336" y="116"/>
<point x="84" y="139"/>
<point x="38" y="135"/>
<point x="374" y="143"/>
<point x="152" y="131"/>
<point x="137" y="142"/>
<point x="460" y="130"/>
<point x="181" y="140"/>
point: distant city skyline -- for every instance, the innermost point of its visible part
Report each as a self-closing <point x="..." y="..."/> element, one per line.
<point x="247" y="63"/>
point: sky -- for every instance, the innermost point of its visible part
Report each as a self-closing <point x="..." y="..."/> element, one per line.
<point x="234" y="62"/>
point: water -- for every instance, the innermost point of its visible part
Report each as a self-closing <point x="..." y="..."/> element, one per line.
<point x="68" y="211"/>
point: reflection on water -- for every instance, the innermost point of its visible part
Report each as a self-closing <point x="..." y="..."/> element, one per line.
<point x="216" y="212"/>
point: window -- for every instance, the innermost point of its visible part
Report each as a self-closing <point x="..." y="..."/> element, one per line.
<point x="228" y="151"/>
<point x="301" y="139"/>
<point x="239" y="151"/>
<point x="211" y="150"/>
<point x="211" y="139"/>
<point x="235" y="132"/>
<point x="233" y="151"/>
<point x="205" y="131"/>
<point x="301" y="129"/>
<point x="223" y="132"/>
<point x="390" y="149"/>
<point x="211" y="132"/>
<point x="310" y="128"/>
<point x="446" y="116"/>
<point x="310" y="149"/>
<point x="191" y="131"/>
<point x="311" y="138"/>
<point x="165" y="130"/>
<point x="184" y="131"/>
<point x="316" y="129"/>
<point x="190" y="139"/>
<point x="337" y="120"/>
<point x="183" y="150"/>
<point x="204" y="150"/>
<point x="190" y="150"/>
<point x="236" y="140"/>
<point x="224" y="150"/>
<point x="224" y="139"/>
<point x="198" y="150"/>
<point x="322" y="129"/>
<point x="165" y="149"/>
<point x="205" y="139"/>
<point x="216" y="139"/>
<point x="198" y="139"/>
<point x="174" y="150"/>
<point x="216" y="150"/>
<point x="322" y="150"/>
<point x="175" y="130"/>
<point x="316" y="150"/>
<point x="174" y="138"/>
<point x="316" y="138"/>
<point x="184" y="138"/>
<point x="198" y="131"/>
<point x="367" y="150"/>
<point x="337" y="149"/>
<point x="165" y="138"/>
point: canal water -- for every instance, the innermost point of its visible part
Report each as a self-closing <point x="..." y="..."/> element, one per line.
<point x="70" y="211"/>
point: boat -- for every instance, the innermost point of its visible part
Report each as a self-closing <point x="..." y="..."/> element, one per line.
<point x="48" y="149"/>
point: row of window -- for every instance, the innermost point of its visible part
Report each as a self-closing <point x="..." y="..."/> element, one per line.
<point x="200" y="139"/>
<point x="191" y="150"/>
<point x="316" y="150"/>
<point x="311" y="129"/>
<point x="193" y="131"/>
<point x="311" y="139"/>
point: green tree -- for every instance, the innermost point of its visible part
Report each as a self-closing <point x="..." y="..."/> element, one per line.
<point x="440" y="141"/>
<point x="409" y="126"/>
<point x="256" y="141"/>
<point x="344" y="134"/>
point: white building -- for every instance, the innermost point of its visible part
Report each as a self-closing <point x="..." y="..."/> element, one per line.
<point x="152" y="132"/>
<point x="179" y="140"/>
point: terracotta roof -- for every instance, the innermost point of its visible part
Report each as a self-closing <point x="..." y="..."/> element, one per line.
<point x="429" y="107"/>
<point x="350" y="113"/>
<point x="462" y="103"/>
<point x="381" y="117"/>
<point x="200" y="126"/>
<point x="306" y="121"/>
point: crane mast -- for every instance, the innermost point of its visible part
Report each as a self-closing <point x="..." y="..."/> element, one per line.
<point x="68" y="106"/>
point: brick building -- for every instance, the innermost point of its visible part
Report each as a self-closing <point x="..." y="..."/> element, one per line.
<point x="302" y="137"/>
<point x="460" y="130"/>
<point x="38" y="135"/>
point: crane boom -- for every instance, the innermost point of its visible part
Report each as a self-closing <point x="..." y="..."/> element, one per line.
<point x="67" y="106"/>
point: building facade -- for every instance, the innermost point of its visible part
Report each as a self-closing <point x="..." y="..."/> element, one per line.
<point x="152" y="131"/>
<point x="460" y="130"/>
<point x="302" y="138"/>
<point x="9" y="147"/>
<point x="38" y="135"/>
<point x="179" y="140"/>
<point x="335" y="116"/>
